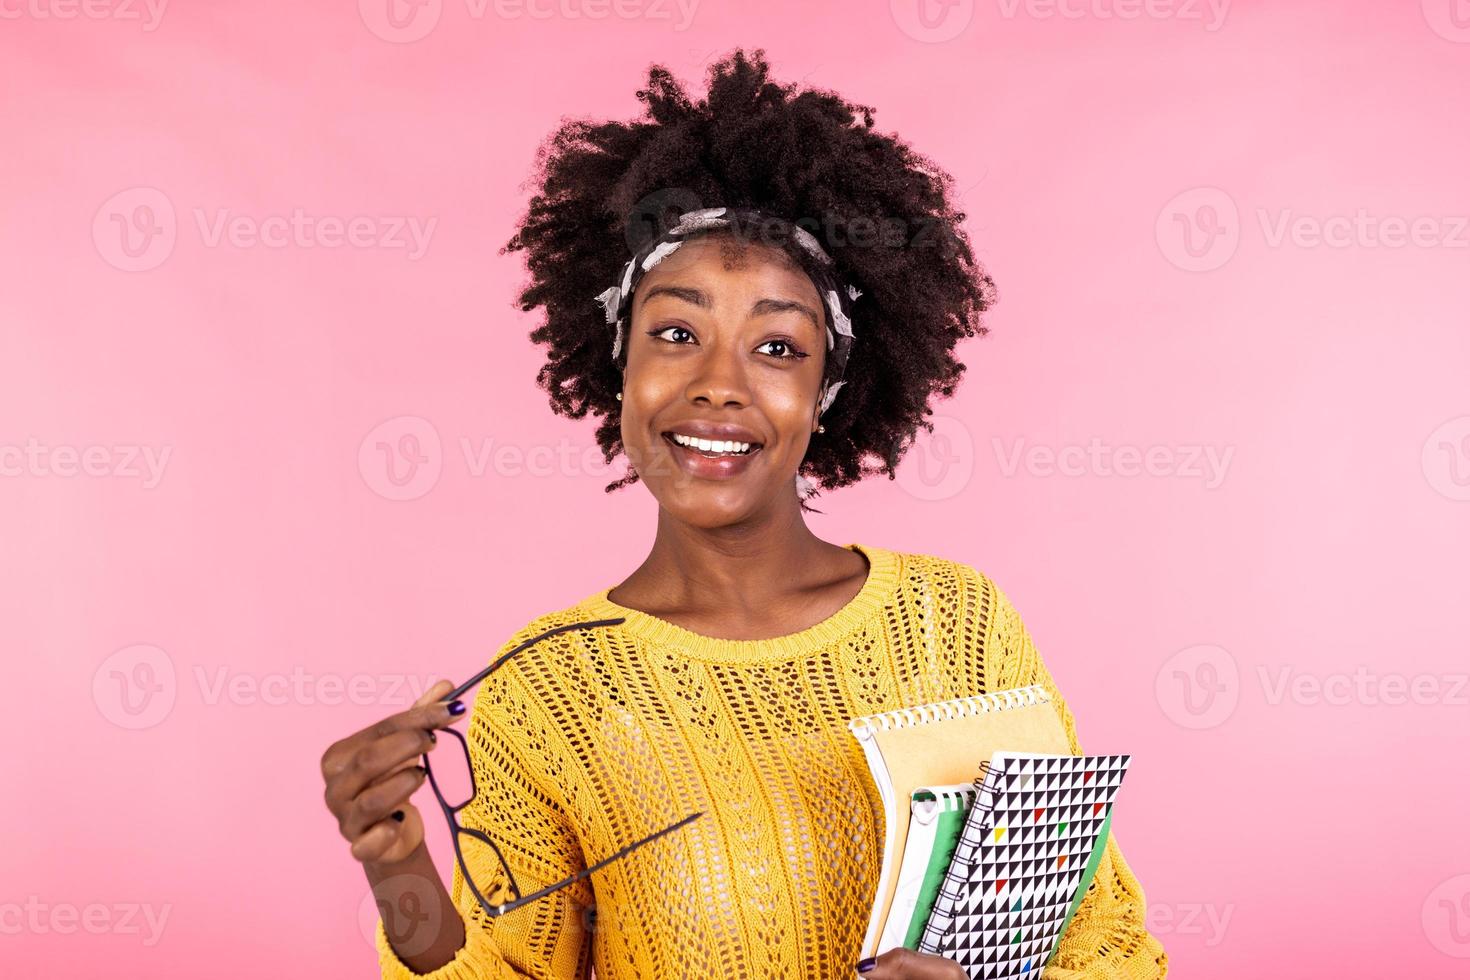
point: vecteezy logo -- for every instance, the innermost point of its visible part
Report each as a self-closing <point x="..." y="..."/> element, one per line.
<point x="939" y="464"/>
<point x="1446" y="917"/>
<point x="400" y="21"/>
<point x="135" y="687"/>
<point x="1199" y="229"/>
<point x="135" y="230"/>
<point x="1446" y="458"/>
<point x="1198" y="687"/>
<point x="1450" y="19"/>
<point x="932" y="21"/>
<point x="401" y="458"/>
<point x="410" y="917"/>
<point x="655" y="213"/>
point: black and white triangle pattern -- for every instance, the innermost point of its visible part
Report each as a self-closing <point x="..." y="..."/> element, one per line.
<point x="1030" y="833"/>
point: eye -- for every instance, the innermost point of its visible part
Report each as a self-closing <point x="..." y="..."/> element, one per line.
<point x="675" y="334"/>
<point x="782" y="349"/>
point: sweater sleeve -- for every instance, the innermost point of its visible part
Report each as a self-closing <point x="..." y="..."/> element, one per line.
<point x="1107" y="939"/>
<point x="510" y="752"/>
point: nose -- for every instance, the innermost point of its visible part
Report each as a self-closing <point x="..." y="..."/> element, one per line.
<point x="719" y="381"/>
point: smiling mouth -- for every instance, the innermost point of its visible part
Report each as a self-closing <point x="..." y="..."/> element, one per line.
<point x="713" y="448"/>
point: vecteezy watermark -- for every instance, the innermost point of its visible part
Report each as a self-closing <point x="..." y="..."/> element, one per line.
<point x="121" y="462"/>
<point x="38" y="918"/>
<point x="1190" y="919"/>
<point x="938" y="464"/>
<point x="137" y="687"/>
<point x="1450" y="19"/>
<point x="1205" y="463"/>
<point x="136" y="230"/>
<point x="1446" y="917"/>
<point x="932" y="21"/>
<point x="409" y="907"/>
<point x="1198" y="687"/>
<point x="1211" y="13"/>
<point x="1363" y="686"/>
<point x="406" y="21"/>
<point x="660" y="210"/>
<point x="148" y="13"/>
<point x="300" y="686"/>
<point x="1445" y="458"/>
<point x="1200" y="229"/>
<point x="1362" y="229"/>
<point x="402" y="458"/>
<point x="509" y="460"/>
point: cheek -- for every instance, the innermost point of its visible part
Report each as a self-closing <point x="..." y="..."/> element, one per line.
<point x="645" y="394"/>
<point x="789" y="406"/>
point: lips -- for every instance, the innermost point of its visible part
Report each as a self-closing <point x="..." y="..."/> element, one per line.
<point x="713" y="467"/>
<point x="702" y="429"/>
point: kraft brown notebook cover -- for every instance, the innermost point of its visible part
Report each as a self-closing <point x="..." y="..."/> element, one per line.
<point x="944" y="743"/>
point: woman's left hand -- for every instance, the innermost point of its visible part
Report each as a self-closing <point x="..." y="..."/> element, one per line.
<point x="905" y="964"/>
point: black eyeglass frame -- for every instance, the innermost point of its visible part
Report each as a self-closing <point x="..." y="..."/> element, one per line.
<point x="451" y="811"/>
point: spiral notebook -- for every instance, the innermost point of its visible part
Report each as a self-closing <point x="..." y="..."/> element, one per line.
<point x="1033" y="834"/>
<point x="935" y="827"/>
<point x="943" y="744"/>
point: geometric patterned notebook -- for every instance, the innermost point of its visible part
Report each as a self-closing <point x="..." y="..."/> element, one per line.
<point x="1020" y="861"/>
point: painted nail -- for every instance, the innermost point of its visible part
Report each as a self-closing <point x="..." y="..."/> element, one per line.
<point x="456" y="708"/>
<point x="866" y="965"/>
<point x="433" y="738"/>
<point x="399" y="815"/>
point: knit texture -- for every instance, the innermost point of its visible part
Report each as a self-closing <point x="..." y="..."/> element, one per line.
<point x="597" y="737"/>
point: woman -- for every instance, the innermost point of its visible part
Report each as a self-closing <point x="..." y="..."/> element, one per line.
<point x="782" y="325"/>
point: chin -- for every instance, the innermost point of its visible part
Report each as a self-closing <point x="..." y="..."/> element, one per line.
<point x="708" y="506"/>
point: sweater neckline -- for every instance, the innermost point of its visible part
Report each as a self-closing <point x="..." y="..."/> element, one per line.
<point x="878" y="590"/>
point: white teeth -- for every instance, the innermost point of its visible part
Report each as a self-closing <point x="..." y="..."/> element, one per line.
<point x="725" y="446"/>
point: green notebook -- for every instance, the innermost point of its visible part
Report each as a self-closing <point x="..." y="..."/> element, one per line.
<point x="1087" y="875"/>
<point x="937" y="818"/>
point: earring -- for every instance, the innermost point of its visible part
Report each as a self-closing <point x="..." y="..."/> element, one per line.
<point x="620" y="396"/>
<point x="821" y="428"/>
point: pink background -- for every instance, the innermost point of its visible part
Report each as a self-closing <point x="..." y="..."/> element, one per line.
<point x="264" y="594"/>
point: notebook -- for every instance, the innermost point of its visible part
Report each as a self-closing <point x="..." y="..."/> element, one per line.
<point x="1038" y="822"/>
<point x="938" y="818"/>
<point x="938" y="745"/>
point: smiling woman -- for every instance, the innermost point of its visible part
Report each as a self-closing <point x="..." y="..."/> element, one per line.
<point x="822" y="179"/>
<point x="660" y="781"/>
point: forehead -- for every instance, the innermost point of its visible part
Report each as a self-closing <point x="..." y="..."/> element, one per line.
<point x="723" y="257"/>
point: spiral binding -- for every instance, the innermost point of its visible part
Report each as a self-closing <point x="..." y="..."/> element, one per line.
<point x="962" y="866"/>
<point x="925" y="714"/>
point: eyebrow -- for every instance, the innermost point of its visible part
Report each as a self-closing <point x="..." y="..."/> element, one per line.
<point x="700" y="298"/>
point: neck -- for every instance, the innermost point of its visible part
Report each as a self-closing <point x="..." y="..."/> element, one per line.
<point x="732" y="568"/>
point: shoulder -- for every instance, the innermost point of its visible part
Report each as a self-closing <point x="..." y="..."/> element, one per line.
<point x="551" y="638"/>
<point x="948" y="581"/>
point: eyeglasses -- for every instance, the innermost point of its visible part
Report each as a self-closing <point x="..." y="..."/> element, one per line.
<point x="454" y="787"/>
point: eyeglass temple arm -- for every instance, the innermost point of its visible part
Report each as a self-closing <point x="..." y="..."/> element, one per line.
<point x="585" y="872"/>
<point x="495" y="664"/>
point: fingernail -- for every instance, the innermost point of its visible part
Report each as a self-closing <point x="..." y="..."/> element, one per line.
<point x="456" y="708"/>
<point x="398" y="815"/>
<point x="433" y="738"/>
<point x="865" y="965"/>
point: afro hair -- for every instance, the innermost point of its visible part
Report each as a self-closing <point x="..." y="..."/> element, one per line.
<point x="883" y="212"/>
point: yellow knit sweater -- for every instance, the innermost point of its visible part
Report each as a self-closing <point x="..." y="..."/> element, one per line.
<point x="594" y="738"/>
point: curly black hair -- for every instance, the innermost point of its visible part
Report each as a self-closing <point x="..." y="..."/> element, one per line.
<point x="883" y="212"/>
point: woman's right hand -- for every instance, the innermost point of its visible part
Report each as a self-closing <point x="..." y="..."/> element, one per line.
<point x="370" y="776"/>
